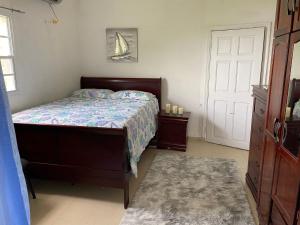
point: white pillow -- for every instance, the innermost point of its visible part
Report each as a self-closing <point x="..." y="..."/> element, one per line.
<point x="132" y="94"/>
<point x="92" y="93"/>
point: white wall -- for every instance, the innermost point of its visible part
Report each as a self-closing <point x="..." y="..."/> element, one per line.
<point x="47" y="61"/>
<point x="173" y="41"/>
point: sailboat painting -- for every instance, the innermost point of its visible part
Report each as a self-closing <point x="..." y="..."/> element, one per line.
<point x="122" y="44"/>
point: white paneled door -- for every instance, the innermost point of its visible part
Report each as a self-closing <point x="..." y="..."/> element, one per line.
<point x="236" y="61"/>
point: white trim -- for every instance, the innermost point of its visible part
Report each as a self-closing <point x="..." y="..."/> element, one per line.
<point x="266" y="59"/>
<point x="7" y="57"/>
<point x="5" y="12"/>
<point x="12" y="46"/>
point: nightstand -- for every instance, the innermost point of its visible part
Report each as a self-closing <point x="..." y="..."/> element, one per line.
<point x="172" y="131"/>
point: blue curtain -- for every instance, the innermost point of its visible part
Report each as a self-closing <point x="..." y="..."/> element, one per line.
<point x="14" y="205"/>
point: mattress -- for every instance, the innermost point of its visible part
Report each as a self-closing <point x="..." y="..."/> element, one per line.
<point x="138" y="116"/>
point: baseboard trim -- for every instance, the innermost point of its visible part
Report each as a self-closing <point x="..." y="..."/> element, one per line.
<point x="196" y="139"/>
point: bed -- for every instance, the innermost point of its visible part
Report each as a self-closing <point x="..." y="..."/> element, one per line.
<point x="80" y="152"/>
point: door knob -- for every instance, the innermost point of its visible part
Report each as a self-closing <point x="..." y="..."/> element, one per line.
<point x="276" y="127"/>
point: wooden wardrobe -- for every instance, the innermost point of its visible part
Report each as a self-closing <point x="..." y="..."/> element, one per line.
<point x="278" y="188"/>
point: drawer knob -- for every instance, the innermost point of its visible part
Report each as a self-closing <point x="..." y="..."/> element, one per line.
<point x="262" y="111"/>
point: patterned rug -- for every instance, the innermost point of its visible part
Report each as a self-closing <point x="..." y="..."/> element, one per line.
<point x="184" y="190"/>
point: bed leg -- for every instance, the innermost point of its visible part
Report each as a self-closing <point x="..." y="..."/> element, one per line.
<point x="126" y="192"/>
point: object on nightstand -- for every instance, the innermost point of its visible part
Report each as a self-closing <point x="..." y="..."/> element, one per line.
<point x="288" y="112"/>
<point x="174" y="109"/>
<point x="168" y="108"/>
<point x="172" y="131"/>
<point x="180" y="111"/>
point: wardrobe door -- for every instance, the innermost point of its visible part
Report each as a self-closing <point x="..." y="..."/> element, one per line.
<point x="286" y="175"/>
<point x="279" y="61"/>
<point x="265" y="193"/>
<point x="291" y="104"/>
<point x="284" y="16"/>
<point x="286" y="186"/>
<point x="276" y="217"/>
<point x="298" y="217"/>
<point x="296" y="25"/>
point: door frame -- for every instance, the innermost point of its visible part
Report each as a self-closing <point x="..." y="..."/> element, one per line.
<point x="266" y="64"/>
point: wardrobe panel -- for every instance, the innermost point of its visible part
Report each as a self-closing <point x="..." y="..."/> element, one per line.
<point x="296" y="25"/>
<point x="279" y="61"/>
<point x="284" y="16"/>
<point x="286" y="186"/>
<point x="267" y="171"/>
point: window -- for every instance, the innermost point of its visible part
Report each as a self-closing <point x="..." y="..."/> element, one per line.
<point x="6" y="53"/>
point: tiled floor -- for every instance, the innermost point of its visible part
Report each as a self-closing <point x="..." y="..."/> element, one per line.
<point x="63" y="204"/>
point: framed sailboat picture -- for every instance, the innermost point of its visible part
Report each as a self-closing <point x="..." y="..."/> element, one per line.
<point x="122" y="45"/>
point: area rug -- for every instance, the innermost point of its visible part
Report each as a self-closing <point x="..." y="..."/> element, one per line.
<point x="185" y="190"/>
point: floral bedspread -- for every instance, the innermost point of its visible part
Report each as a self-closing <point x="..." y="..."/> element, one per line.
<point x="138" y="116"/>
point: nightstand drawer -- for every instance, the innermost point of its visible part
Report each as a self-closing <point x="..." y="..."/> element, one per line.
<point x="172" y="132"/>
<point x="259" y="108"/>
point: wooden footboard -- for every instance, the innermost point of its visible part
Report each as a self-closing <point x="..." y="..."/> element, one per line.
<point x="77" y="154"/>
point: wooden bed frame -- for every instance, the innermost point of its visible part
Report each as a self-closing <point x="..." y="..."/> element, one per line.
<point x="83" y="154"/>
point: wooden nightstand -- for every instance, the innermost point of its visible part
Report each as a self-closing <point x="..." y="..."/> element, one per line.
<point x="172" y="131"/>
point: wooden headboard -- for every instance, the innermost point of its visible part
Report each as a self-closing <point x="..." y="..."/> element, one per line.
<point x="152" y="85"/>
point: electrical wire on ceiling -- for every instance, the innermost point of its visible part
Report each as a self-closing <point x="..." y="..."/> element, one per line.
<point x="12" y="9"/>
